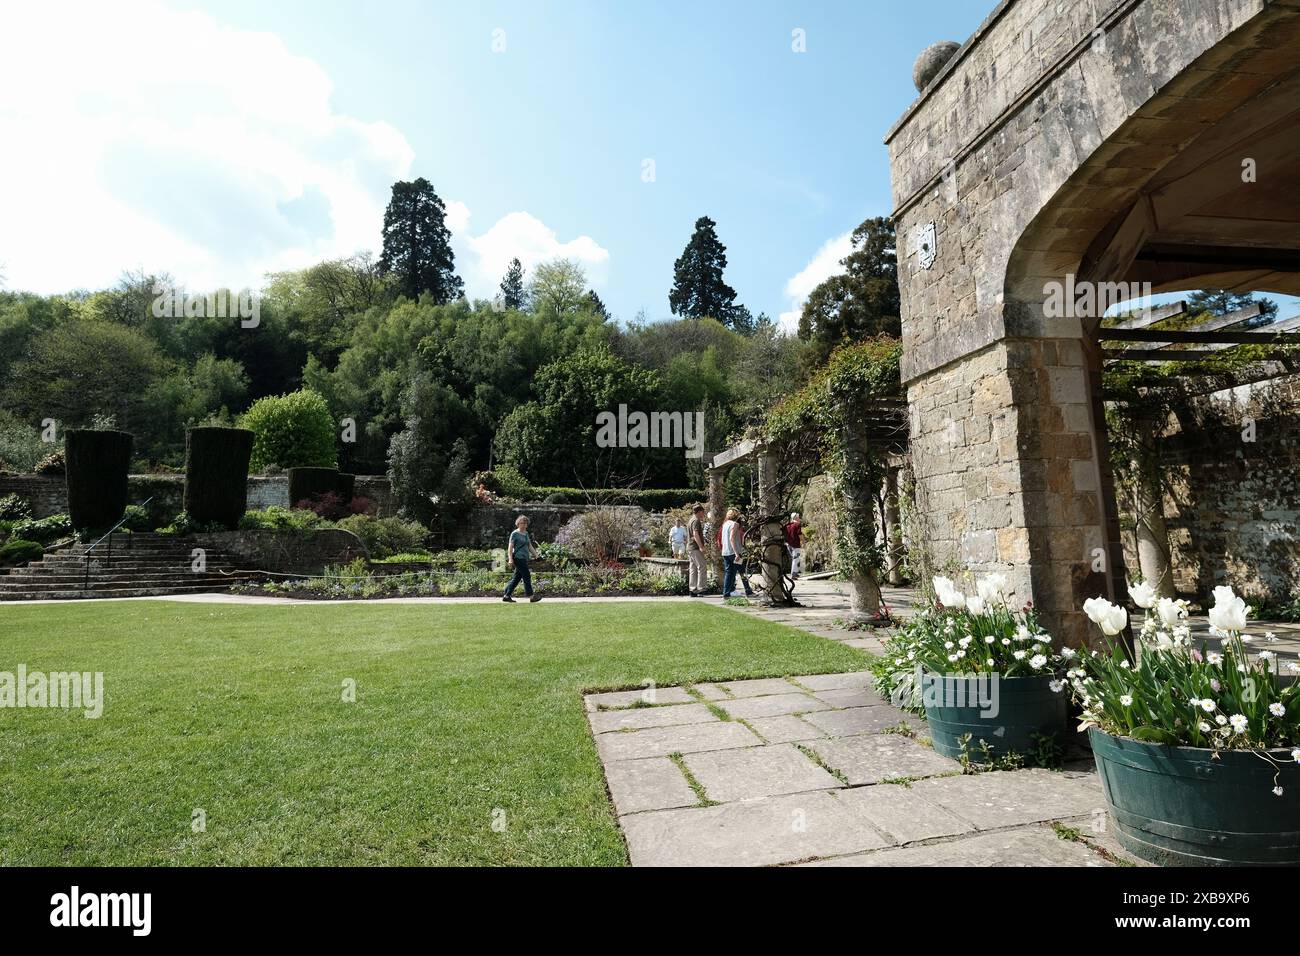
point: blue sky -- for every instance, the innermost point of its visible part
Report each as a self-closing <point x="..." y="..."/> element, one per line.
<point x="259" y="136"/>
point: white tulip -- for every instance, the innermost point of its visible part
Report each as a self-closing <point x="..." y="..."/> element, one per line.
<point x="992" y="588"/>
<point x="1171" y="612"/>
<point x="948" y="594"/>
<point x="1143" y="594"/>
<point x="975" y="604"/>
<point x="1229" y="612"/>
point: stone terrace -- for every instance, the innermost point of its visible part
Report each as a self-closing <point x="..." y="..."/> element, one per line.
<point x="818" y="770"/>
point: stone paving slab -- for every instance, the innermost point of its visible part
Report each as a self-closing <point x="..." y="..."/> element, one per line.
<point x="850" y="697"/>
<point x="761" y="832"/>
<point x="661" y="741"/>
<point x="784" y="729"/>
<point x="655" y="783"/>
<point x="636" y="718"/>
<point x="631" y="698"/>
<point x="818" y="682"/>
<point x="710" y="692"/>
<point x="729" y="775"/>
<point x="871" y="758"/>
<point x="755" y="688"/>
<point x="862" y="720"/>
<point x="772" y="705"/>
<point x="900" y="814"/>
<point x="1028" y="846"/>
<point x="1006" y="798"/>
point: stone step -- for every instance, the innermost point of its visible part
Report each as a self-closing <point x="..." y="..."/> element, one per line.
<point x="75" y="580"/>
<point x="180" y="582"/>
<point x="131" y="562"/>
<point x="107" y="593"/>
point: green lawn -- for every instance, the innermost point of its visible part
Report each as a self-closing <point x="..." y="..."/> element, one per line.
<point x="238" y="711"/>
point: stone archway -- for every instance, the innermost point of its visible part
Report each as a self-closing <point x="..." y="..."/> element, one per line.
<point x="1073" y="143"/>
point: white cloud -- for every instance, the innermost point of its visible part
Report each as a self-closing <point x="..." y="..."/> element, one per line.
<point x="140" y="136"/>
<point x="824" y="264"/>
<point x="482" y="260"/>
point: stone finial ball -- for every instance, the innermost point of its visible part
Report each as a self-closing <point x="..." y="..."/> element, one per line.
<point x="931" y="61"/>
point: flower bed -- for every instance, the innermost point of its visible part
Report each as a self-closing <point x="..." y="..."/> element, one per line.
<point x="355" y="582"/>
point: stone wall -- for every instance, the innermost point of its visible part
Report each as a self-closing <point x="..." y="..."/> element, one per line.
<point x="46" y="496"/>
<point x="287" y="552"/>
<point x="1232" y="506"/>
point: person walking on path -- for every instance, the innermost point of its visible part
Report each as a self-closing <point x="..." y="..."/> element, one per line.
<point x="698" y="577"/>
<point x="677" y="538"/>
<point x="519" y="551"/>
<point x="794" y="541"/>
<point x="733" y="546"/>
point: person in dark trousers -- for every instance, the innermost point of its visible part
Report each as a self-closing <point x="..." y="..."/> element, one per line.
<point x="733" y="551"/>
<point x="519" y="551"/>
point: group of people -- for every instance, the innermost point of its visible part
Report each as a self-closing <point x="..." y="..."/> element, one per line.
<point x="689" y="542"/>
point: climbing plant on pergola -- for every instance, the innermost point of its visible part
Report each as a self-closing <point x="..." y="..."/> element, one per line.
<point x="844" y="423"/>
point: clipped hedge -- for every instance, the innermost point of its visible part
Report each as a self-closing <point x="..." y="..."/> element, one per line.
<point x="216" y="474"/>
<point x="97" y="465"/>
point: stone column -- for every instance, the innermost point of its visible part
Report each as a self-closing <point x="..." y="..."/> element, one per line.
<point x="893" y="527"/>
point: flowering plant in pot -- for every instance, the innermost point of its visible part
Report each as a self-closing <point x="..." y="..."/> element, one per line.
<point x="1198" y="749"/>
<point x="984" y="672"/>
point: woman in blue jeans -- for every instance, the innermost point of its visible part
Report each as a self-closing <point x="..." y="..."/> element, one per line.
<point x="519" y="551"/>
<point x="733" y="546"/>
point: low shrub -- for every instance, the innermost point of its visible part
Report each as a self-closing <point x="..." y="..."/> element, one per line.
<point x="386" y="536"/>
<point x="276" y="518"/>
<point x="19" y="551"/>
<point x="136" y="518"/>
<point x="44" y="530"/>
<point x="14" y="508"/>
<point x="183" y="524"/>
<point x="603" y="534"/>
<point x="328" y="505"/>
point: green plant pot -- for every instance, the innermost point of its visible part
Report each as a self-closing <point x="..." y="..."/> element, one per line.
<point x="1179" y="806"/>
<point x="1026" y="709"/>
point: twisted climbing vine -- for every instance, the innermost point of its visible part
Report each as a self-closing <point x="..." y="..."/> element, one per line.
<point x="825" y="427"/>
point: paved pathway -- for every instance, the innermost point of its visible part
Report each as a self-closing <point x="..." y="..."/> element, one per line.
<point x="818" y="770"/>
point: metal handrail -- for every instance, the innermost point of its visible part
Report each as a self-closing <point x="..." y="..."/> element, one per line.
<point x="85" y="582"/>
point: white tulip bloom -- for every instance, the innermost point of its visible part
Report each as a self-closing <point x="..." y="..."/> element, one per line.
<point x="1143" y="594"/>
<point x="948" y="594"/>
<point x="1229" y="612"/>
<point x="1171" y="612"/>
<point x="992" y="589"/>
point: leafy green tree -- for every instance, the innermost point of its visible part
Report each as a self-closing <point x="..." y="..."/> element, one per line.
<point x="698" y="287"/>
<point x="552" y="439"/>
<point x="417" y="243"/>
<point x="861" y="302"/>
<point x="513" y="293"/>
<point x="418" y="460"/>
<point x="82" y="368"/>
<point x="558" y="288"/>
<point x="293" y="431"/>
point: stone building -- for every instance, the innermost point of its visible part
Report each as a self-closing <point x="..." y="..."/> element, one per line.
<point x="1074" y="145"/>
